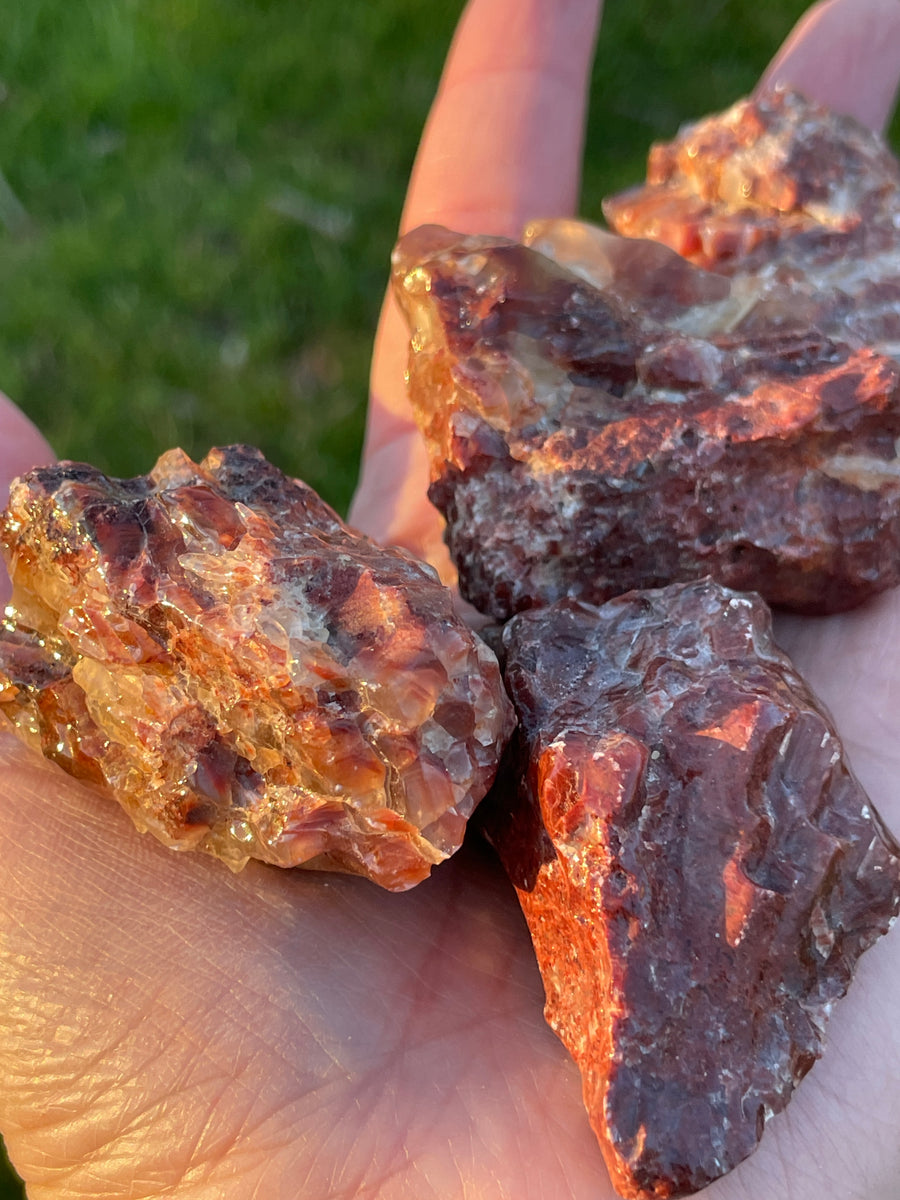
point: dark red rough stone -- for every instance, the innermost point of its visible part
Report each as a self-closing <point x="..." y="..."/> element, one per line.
<point x="584" y="441"/>
<point x="245" y="673"/>
<point x="699" y="869"/>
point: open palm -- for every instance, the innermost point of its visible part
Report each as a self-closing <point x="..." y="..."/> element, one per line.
<point x="171" y="1030"/>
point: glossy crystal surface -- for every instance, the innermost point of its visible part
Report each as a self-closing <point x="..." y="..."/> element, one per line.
<point x="242" y="671"/>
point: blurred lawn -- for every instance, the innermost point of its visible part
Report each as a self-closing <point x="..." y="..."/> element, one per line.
<point x="198" y="199"/>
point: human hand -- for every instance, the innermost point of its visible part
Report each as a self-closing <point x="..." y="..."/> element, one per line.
<point x="173" y="1030"/>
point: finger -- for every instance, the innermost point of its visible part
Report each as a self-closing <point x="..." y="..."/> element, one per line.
<point x="21" y="448"/>
<point x="503" y="143"/>
<point x="846" y="54"/>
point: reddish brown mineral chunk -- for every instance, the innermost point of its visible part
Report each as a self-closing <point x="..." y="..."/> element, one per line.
<point x="766" y="170"/>
<point x="242" y="671"/>
<point x="584" y="441"/>
<point x="698" y="867"/>
<point x="798" y="205"/>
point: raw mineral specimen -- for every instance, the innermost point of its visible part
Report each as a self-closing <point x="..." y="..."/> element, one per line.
<point x="242" y="671"/>
<point x="774" y="174"/>
<point x="602" y="414"/>
<point x="699" y="869"/>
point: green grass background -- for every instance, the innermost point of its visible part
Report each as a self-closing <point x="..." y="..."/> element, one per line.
<point x="198" y="199"/>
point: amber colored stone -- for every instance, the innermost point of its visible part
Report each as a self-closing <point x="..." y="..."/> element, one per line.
<point x="699" y="869"/>
<point x="242" y="671"/>
<point x="798" y="206"/>
<point x="773" y="168"/>
<point x="626" y="425"/>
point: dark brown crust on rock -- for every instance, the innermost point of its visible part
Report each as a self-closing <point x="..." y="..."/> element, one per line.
<point x="244" y="672"/>
<point x="699" y="869"/>
<point x="584" y="442"/>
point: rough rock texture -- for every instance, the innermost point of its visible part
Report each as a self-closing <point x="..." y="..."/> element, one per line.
<point x="619" y="418"/>
<point x="699" y="869"/>
<point x="586" y="441"/>
<point x="245" y="673"/>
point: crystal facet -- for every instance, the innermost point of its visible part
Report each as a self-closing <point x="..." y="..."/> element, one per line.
<point x="244" y="672"/>
<point x="699" y="869"/>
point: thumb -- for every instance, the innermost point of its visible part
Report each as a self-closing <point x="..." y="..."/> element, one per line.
<point x="21" y="448"/>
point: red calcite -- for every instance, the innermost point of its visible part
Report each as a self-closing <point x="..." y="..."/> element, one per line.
<point x="798" y="206"/>
<point x="774" y="169"/>
<point x="242" y="671"/>
<point x="587" y="439"/>
<point x="698" y="867"/>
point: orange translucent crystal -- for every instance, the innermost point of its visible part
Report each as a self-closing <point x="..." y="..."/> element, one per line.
<point x="243" y="672"/>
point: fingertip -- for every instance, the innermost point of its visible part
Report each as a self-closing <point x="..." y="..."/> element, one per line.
<point x="22" y="446"/>
<point x="845" y="54"/>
